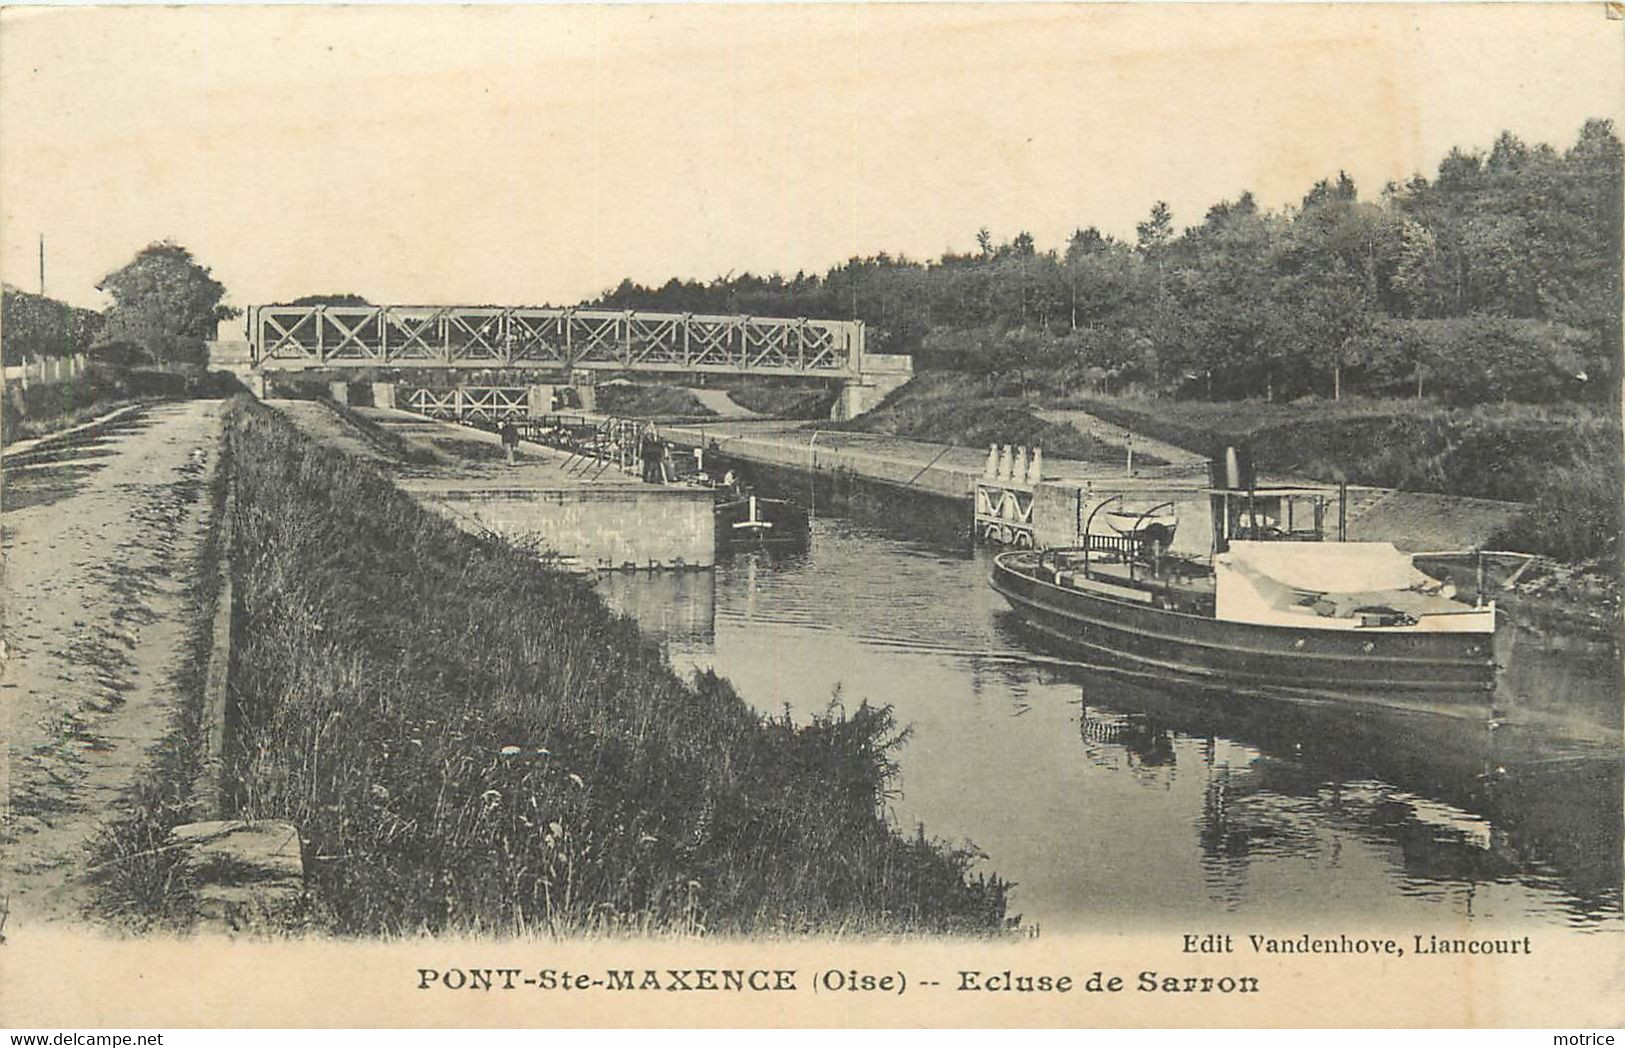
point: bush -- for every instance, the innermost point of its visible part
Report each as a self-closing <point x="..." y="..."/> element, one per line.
<point x="1482" y="360"/>
<point x="1575" y="516"/>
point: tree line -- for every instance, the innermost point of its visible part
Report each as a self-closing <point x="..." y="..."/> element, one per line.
<point x="1496" y="279"/>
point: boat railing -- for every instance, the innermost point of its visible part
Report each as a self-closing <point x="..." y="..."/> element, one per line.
<point x="1127" y="546"/>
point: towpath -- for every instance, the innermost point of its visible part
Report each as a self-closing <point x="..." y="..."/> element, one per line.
<point x="719" y="402"/>
<point x="1093" y="426"/>
<point x="103" y="531"/>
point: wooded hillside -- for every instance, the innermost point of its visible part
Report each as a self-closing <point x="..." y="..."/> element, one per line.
<point x="1496" y="279"/>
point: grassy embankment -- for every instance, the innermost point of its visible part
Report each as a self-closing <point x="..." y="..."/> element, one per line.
<point x="650" y="401"/>
<point x="951" y="408"/>
<point x="472" y="742"/>
<point x="783" y="399"/>
<point x="769" y="398"/>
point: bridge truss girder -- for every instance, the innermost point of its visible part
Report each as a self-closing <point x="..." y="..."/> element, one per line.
<point x="295" y="337"/>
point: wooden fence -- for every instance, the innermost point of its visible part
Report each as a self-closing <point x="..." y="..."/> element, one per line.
<point x="47" y="371"/>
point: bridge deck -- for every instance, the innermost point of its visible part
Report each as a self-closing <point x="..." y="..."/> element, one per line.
<point x="294" y="337"/>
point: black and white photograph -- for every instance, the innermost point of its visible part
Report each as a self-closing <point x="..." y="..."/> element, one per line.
<point x="812" y="515"/>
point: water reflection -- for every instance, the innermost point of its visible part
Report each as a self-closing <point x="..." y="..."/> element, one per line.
<point x="678" y="607"/>
<point x="1111" y="795"/>
<point x="1143" y="741"/>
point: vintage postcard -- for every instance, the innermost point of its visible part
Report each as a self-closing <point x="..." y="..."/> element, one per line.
<point x="822" y="516"/>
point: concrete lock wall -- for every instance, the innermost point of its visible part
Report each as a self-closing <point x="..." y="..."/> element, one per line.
<point x="1055" y="515"/>
<point x="804" y="455"/>
<point x="598" y="529"/>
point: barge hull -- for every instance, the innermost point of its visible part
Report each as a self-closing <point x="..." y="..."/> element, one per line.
<point x="1454" y="667"/>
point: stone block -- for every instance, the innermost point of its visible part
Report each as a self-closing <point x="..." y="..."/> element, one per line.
<point x="245" y="875"/>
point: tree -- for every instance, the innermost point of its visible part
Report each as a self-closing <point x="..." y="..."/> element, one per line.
<point x="1158" y="227"/>
<point x="1419" y="284"/>
<point x="341" y="299"/>
<point x="1225" y="339"/>
<point x="1332" y="314"/>
<point x="1081" y="245"/>
<point x="165" y="301"/>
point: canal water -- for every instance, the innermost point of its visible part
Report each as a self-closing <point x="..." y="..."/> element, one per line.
<point x="1113" y="799"/>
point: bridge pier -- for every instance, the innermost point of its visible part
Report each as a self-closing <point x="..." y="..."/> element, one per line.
<point x="882" y="373"/>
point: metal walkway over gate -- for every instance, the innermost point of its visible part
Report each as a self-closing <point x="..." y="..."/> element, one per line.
<point x="295" y="337"/>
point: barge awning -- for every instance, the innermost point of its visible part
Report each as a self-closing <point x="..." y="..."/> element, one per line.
<point x="1327" y="567"/>
<point x="1327" y="585"/>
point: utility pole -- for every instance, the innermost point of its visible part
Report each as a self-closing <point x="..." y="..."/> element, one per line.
<point x="42" y="265"/>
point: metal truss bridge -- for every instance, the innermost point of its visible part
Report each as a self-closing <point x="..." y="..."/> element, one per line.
<point x="468" y="337"/>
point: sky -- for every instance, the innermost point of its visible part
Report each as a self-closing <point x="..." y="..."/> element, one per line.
<point x="539" y="154"/>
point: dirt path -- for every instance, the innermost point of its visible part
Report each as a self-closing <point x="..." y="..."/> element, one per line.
<point x="1102" y="430"/>
<point x="720" y="402"/>
<point x="101" y="536"/>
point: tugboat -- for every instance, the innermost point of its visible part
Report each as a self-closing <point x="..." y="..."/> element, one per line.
<point x="744" y="518"/>
<point x="753" y="520"/>
<point x="1275" y="608"/>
